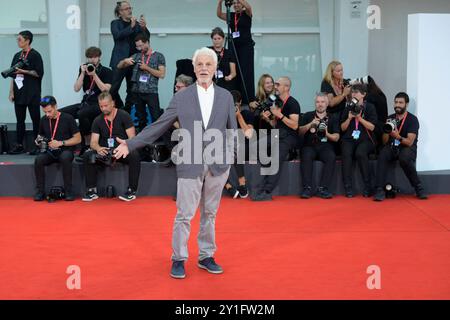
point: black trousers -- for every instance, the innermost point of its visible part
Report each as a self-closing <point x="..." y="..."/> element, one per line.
<point x="134" y="169"/>
<point x="239" y="171"/>
<point x="407" y="159"/>
<point x="85" y="113"/>
<point x="118" y="76"/>
<point x="360" y="149"/>
<point x="45" y="159"/>
<point x="323" y="152"/>
<point x="246" y="56"/>
<point x="21" y="115"/>
<point x="270" y="182"/>
<point x="141" y="100"/>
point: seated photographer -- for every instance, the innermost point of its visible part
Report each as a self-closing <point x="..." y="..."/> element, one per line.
<point x="285" y="118"/>
<point x="111" y="124"/>
<point x="266" y="87"/>
<point x="400" y="142"/>
<point x="58" y="133"/>
<point x="93" y="78"/>
<point x="319" y="129"/>
<point x="357" y="124"/>
<point x="245" y="123"/>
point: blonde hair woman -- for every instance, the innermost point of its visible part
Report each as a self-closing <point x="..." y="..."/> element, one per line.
<point x="266" y="86"/>
<point x="333" y="85"/>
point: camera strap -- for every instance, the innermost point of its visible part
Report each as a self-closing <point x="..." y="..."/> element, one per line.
<point x="53" y="132"/>
<point x="237" y="17"/>
<point x="403" y="122"/>
<point x="24" y="55"/>
<point x="110" y="127"/>
<point x="149" y="56"/>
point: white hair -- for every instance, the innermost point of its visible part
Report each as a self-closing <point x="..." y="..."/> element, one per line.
<point x="204" y="52"/>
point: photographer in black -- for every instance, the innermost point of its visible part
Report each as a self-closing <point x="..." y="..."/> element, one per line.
<point x="285" y="118"/>
<point x="320" y="129"/>
<point x="226" y="65"/>
<point x="400" y="142"/>
<point x="111" y="124"/>
<point x="93" y="78"/>
<point x="58" y="133"/>
<point x="357" y="124"/>
<point x="27" y="71"/>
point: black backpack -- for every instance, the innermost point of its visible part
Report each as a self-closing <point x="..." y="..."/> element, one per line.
<point x="4" y="142"/>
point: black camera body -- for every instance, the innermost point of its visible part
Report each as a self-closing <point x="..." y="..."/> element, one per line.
<point x="43" y="144"/>
<point x="107" y="159"/>
<point x="229" y="3"/>
<point x="355" y="108"/>
<point x="19" y="65"/>
<point x="56" y="193"/>
<point x="390" y="126"/>
<point x="90" y="67"/>
<point x="270" y="101"/>
<point x="320" y="130"/>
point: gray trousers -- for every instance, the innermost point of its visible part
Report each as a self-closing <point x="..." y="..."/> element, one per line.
<point x="206" y="192"/>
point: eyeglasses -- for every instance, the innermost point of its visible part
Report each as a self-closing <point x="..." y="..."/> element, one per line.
<point x="127" y="9"/>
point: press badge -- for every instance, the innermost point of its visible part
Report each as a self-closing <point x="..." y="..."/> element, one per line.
<point x="396" y="143"/>
<point x="325" y="139"/>
<point x="111" y="143"/>
<point x="356" y="134"/>
<point x="143" y="78"/>
<point x="236" y="34"/>
<point x="19" y="81"/>
<point x="219" y="74"/>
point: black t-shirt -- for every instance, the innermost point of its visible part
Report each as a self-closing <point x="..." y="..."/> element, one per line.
<point x="224" y="58"/>
<point x="311" y="139"/>
<point x="244" y="26"/>
<point x="249" y="118"/>
<point x="411" y="125"/>
<point x="328" y="88"/>
<point x="290" y="107"/>
<point x="67" y="128"/>
<point x="368" y="114"/>
<point x="105" y="74"/>
<point x="121" y="123"/>
<point x="31" y="90"/>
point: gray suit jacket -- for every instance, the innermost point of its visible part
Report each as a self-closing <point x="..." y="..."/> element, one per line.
<point x="185" y="107"/>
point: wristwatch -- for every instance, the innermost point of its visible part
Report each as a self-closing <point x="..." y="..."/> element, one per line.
<point x="63" y="143"/>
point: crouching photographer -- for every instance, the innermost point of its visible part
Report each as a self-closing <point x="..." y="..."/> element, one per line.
<point x="400" y="142"/>
<point x="106" y="128"/>
<point x="320" y="130"/>
<point x="58" y="133"/>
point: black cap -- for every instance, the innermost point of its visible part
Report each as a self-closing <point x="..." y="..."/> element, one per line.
<point x="48" y="100"/>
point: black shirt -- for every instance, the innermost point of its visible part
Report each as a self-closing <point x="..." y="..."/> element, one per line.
<point x="244" y="26"/>
<point x="368" y="114"/>
<point x="224" y="58"/>
<point x="31" y="90"/>
<point x="411" y="125"/>
<point x="67" y="128"/>
<point x="106" y="76"/>
<point x="310" y="139"/>
<point x="328" y="88"/>
<point x="290" y="107"/>
<point x="121" y="123"/>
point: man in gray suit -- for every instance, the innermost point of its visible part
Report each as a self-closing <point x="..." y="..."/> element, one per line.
<point x="203" y="109"/>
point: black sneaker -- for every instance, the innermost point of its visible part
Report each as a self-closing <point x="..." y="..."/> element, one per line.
<point x="128" y="196"/>
<point x="90" y="195"/>
<point x="39" y="196"/>
<point x="367" y="191"/>
<point x="243" y="191"/>
<point x="17" y="149"/>
<point x="262" y="196"/>
<point x="348" y="191"/>
<point x="380" y="195"/>
<point x="323" y="193"/>
<point x="232" y="192"/>
<point x="420" y="193"/>
<point x="306" y="193"/>
<point x="69" y="196"/>
<point x="210" y="265"/>
<point x="177" y="270"/>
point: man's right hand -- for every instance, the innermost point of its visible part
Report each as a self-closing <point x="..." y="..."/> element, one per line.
<point x="133" y="22"/>
<point x="315" y="121"/>
<point x="83" y="68"/>
<point x="129" y="62"/>
<point x="102" y="151"/>
<point x="347" y="90"/>
<point x="11" y="96"/>
<point x="351" y="115"/>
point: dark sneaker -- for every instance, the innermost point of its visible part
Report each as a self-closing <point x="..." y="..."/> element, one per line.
<point x="232" y="192"/>
<point x="420" y="193"/>
<point x="367" y="191"/>
<point x="306" y="193"/>
<point x="348" y="191"/>
<point x="128" y="196"/>
<point x="177" y="270"/>
<point x="243" y="191"/>
<point x="262" y="196"/>
<point x="69" y="196"/>
<point x="380" y="195"/>
<point x="17" y="149"/>
<point x="90" y="195"/>
<point x="210" y="265"/>
<point x="323" y="193"/>
<point x="39" y="196"/>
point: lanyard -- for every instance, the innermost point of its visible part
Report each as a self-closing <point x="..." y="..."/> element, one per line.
<point x="148" y="60"/>
<point x="92" y="83"/>
<point x="357" y="121"/>
<point x="236" y="21"/>
<point x="53" y="132"/>
<point x="403" y="122"/>
<point x="24" y="56"/>
<point x="112" y="124"/>
<point x="284" y="102"/>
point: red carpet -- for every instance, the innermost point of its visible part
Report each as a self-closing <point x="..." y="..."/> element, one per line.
<point x="286" y="249"/>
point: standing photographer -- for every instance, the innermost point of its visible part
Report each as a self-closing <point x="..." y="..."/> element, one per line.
<point x="93" y="78"/>
<point x="320" y="129"/>
<point x="58" y="133"/>
<point x="25" y="89"/>
<point x="400" y="142"/>
<point x="226" y="66"/>
<point x="357" y="124"/>
<point x="240" y="24"/>
<point x="333" y="84"/>
<point x="111" y="124"/>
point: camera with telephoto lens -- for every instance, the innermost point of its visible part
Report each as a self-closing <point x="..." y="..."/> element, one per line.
<point x="42" y="142"/>
<point x="95" y="157"/>
<point x="320" y="129"/>
<point x="364" y="80"/>
<point x="270" y="101"/>
<point x="354" y="106"/>
<point x="229" y="3"/>
<point x="391" y="125"/>
<point x="19" y="65"/>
